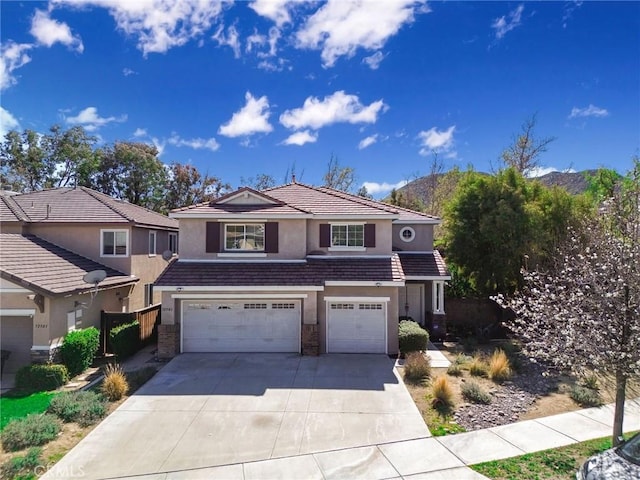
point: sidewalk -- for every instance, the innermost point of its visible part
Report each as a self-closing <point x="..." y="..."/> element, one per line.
<point x="430" y="458"/>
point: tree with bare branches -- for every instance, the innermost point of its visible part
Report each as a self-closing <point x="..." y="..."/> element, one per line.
<point x="523" y="154"/>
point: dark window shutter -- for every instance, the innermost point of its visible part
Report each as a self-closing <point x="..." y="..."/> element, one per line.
<point x="213" y="237"/>
<point x="370" y="235"/>
<point x="271" y="237"/>
<point x="325" y="235"/>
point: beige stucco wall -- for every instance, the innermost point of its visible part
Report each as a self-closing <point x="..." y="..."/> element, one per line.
<point x="383" y="238"/>
<point x="10" y="227"/>
<point x="291" y="240"/>
<point x="392" y="311"/>
<point x="422" y="242"/>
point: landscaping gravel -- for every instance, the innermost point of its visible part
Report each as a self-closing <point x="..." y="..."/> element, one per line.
<point x="509" y="400"/>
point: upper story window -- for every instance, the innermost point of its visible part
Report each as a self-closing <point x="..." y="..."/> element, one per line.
<point x="344" y="235"/>
<point x="152" y="244"/>
<point x="407" y="234"/>
<point x="173" y="243"/>
<point x="245" y="237"/>
<point x="114" y="243"/>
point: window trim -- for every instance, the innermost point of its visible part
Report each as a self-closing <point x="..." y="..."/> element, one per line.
<point x="114" y="231"/>
<point x="154" y="234"/>
<point x="245" y="250"/>
<point x="334" y="248"/>
<point x="175" y="242"/>
<point x="407" y="229"/>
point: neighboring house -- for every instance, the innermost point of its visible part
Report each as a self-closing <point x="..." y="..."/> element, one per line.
<point x="298" y="268"/>
<point x="48" y="241"/>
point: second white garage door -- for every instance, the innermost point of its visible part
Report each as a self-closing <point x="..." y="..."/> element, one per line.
<point x="246" y="326"/>
<point x="356" y="327"/>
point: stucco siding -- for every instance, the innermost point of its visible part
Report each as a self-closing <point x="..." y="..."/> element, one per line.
<point x="383" y="238"/>
<point x="422" y="242"/>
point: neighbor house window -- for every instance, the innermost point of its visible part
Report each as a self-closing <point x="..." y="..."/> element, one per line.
<point x="148" y="294"/>
<point x="347" y="235"/>
<point x="114" y="243"/>
<point x="248" y="237"/>
<point x="152" y="244"/>
<point x="173" y="243"/>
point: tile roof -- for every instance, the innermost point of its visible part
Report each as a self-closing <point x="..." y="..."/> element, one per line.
<point x="313" y="272"/>
<point x="43" y="266"/>
<point x="10" y="211"/>
<point x="84" y="205"/>
<point x="423" y="264"/>
<point x="299" y="198"/>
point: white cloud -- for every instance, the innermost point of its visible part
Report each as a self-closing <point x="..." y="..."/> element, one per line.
<point x="338" y="107"/>
<point x="508" y="22"/>
<point x="367" y="142"/>
<point x="48" y="32"/>
<point x="195" y="143"/>
<point x="276" y="10"/>
<point x="91" y="121"/>
<point x="250" y="119"/>
<point x="257" y="40"/>
<point x="541" y="171"/>
<point x="140" y="132"/>
<point x="434" y="140"/>
<point x="230" y="39"/>
<point x="12" y="56"/>
<point x="159" y="144"/>
<point x="374" y="188"/>
<point x="590" y="111"/>
<point x="7" y="123"/>
<point x="127" y="71"/>
<point x="158" y="25"/>
<point x="373" y="61"/>
<point x="340" y="27"/>
<point x="300" y="138"/>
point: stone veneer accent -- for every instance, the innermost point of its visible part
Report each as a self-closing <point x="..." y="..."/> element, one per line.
<point x="310" y="340"/>
<point x="168" y="340"/>
<point x="52" y="355"/>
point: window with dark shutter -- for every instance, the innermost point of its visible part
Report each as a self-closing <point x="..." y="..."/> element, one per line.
<point x="212" y="244"/>
<point x="325" y="235"/>
<point x="370" y="235"/>
<point x="271" y="237"/>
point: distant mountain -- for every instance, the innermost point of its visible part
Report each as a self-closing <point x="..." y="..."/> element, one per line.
<point x="574" y="182"/>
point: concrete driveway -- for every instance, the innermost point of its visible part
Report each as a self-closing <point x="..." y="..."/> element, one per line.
<point x="204" y="410"/>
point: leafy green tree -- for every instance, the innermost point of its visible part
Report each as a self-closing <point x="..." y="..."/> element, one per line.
<point x="72" y="151"/>
<point x="496" y="224"/>
<point x="602" y="184"/>
<point x="25" y="165"/>
<point x="364" y="193"/>
<point x="132" y="171"/>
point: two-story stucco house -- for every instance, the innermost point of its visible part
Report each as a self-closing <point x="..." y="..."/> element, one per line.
<point x="298" y="268"/>
<point x="49" y="240"/>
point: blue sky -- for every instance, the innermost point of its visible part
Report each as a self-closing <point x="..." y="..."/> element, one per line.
<point x="239" y="89"/>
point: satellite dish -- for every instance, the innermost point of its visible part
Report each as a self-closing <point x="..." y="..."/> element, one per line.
<point x="167" y="255"/>
<point x="95" y="277"/>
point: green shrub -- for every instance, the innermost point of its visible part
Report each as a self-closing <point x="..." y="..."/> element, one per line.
<point x="462" y="359"/>
<point x="79" y="348"/>
<point x="586" y="397"/>
<point x="590" y="381"/>
<point x="125" y="339"/>
<point x="22" y="466"/>
<point x="411" y="337"/>
<point x="41" y="377"/>
<point x="479" y="367"/>
<point x="455" y="370"/>
<point x="473" y="392"/>
<point x="417" y="367"/>
<point x="30" y="431"/>
<point x="83" y="407"/>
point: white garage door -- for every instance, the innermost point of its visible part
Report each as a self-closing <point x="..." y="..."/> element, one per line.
<point x="247" y="326"/>
<point x="16" y="335"/>
<point x="356" y="328"/>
